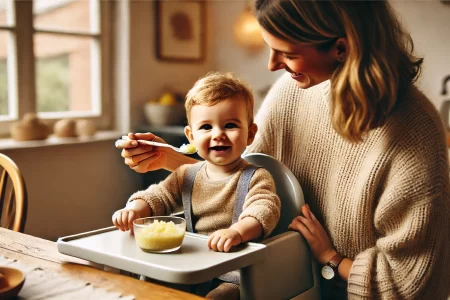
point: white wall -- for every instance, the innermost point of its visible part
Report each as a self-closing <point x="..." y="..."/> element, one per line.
<point x="429" y="25"/>
<point x="229" y="56"/>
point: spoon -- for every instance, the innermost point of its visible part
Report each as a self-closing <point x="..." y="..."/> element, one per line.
<point x="185" y="148"/>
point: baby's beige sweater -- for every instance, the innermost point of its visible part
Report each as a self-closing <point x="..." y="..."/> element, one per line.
<point x="213" y="201"/>
<point x="384" y="202"/>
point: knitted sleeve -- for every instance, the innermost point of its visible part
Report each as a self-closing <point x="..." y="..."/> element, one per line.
<point x="262" y="202"/>
<point x="164" y="198"/>
<point x="411" y="258"/>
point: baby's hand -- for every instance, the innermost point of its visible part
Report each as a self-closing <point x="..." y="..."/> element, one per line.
<point x="222" y="240"/>
<point x="123" y="219"/>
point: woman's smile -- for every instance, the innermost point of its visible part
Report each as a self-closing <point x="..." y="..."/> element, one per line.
<point x="306" y="65"/>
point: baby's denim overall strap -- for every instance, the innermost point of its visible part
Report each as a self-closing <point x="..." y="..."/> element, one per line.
<point x="242" y="190"/>
<point x="186" y="193"/>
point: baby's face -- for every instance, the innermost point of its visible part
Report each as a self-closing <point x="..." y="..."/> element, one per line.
<point x="220" y="132"/>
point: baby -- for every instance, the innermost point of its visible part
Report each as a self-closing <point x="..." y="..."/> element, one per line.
<point x="223" y="196"/>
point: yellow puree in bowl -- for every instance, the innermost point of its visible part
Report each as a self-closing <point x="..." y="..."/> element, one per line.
<point x="160" y="235"/>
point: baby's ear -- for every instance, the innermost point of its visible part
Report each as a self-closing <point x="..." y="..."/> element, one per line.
<point x="188" y="133"/>
<point x="252" y="130"/>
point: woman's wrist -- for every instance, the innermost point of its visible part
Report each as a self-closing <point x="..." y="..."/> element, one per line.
<point x="327" y="256"/>
<point x="336" y="266"/>
<point x="178" y="160"/>
<point x="344" y="268"/>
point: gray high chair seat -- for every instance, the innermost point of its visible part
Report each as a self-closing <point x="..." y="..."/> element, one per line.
<point x="289" y="271"/>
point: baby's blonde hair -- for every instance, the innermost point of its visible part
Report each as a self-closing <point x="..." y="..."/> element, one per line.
<point x="215" y="87"/>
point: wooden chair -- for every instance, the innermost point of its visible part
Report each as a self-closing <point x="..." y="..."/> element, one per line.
<point x="13" y="196"/>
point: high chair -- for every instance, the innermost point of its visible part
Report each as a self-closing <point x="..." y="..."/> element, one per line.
<point x="289" y="271"/>
<point x="279" y="268"/>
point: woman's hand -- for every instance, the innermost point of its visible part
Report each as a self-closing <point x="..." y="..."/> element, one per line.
<point x="222" y="240"/>
<point x="315" y="235"/>
<point x="143" y="158"/>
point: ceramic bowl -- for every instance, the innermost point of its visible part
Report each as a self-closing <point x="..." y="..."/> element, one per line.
<point x="165" y="115"/>
<point x="159" y="234"/>
<point x="11" y="282"/>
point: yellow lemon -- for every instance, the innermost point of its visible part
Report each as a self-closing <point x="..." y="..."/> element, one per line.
<point x="168" y="99"/>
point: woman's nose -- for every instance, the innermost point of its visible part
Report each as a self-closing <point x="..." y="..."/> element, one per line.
<point x="274" y="62"/>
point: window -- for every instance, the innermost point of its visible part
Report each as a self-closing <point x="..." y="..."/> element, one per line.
<point x="8" y="97"/>
<point x="3" y="88"/>
<point x="53" y="60"/>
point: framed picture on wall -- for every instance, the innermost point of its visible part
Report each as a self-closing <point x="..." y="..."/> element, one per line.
<point x="180" y="30"/>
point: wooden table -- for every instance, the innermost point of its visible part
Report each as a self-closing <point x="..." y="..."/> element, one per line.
<point x="33" y="251"/>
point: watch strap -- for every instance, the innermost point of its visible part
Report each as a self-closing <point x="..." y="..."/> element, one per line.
<point x="335" y="261"/>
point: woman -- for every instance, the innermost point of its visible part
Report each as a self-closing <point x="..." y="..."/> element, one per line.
<point x="366" y="145"/>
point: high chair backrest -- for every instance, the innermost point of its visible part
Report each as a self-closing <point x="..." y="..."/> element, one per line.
<point x="288" y="188"/>
<point x="289" y="271"/>
<point x="13" y="196"/>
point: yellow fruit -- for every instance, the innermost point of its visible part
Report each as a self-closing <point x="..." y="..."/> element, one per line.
<point x="168" y="99"/>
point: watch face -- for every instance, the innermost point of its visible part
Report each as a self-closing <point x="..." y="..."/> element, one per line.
<point x="327" y="272"/>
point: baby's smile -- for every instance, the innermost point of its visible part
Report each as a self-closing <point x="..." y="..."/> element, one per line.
<point x="220" y="148"/>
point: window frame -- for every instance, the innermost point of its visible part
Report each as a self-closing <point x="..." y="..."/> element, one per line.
<point x="22" y="84"/>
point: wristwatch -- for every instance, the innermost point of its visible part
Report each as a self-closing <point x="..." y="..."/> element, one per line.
<point x="330" y="270"/>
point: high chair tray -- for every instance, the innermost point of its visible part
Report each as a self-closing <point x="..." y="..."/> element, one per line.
<point x="193" y="263"/>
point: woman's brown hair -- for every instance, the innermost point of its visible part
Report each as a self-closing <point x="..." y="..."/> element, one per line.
<point x="379" y="66"/>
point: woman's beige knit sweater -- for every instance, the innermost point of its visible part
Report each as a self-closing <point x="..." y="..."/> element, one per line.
<point x="384" y="202"/>
<point x="213" y="201"/>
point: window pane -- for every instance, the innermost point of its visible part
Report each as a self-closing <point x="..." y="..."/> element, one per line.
<point x="3" y="73"/>
<point x="63" y="73"/>
<point x="62" y="14"/>
<point x="5" y="12"/>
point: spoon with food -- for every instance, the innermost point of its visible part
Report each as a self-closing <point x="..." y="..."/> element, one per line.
<point x="185" y="148"/>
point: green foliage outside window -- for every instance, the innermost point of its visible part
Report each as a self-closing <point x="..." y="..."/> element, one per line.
<point x="52" y="83"/>
<point x="3" y="88"/>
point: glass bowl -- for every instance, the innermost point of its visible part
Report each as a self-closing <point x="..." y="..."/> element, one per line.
<point x="159" y="234"/>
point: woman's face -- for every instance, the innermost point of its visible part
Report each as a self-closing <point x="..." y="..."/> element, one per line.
<point x="307" y="65"/>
